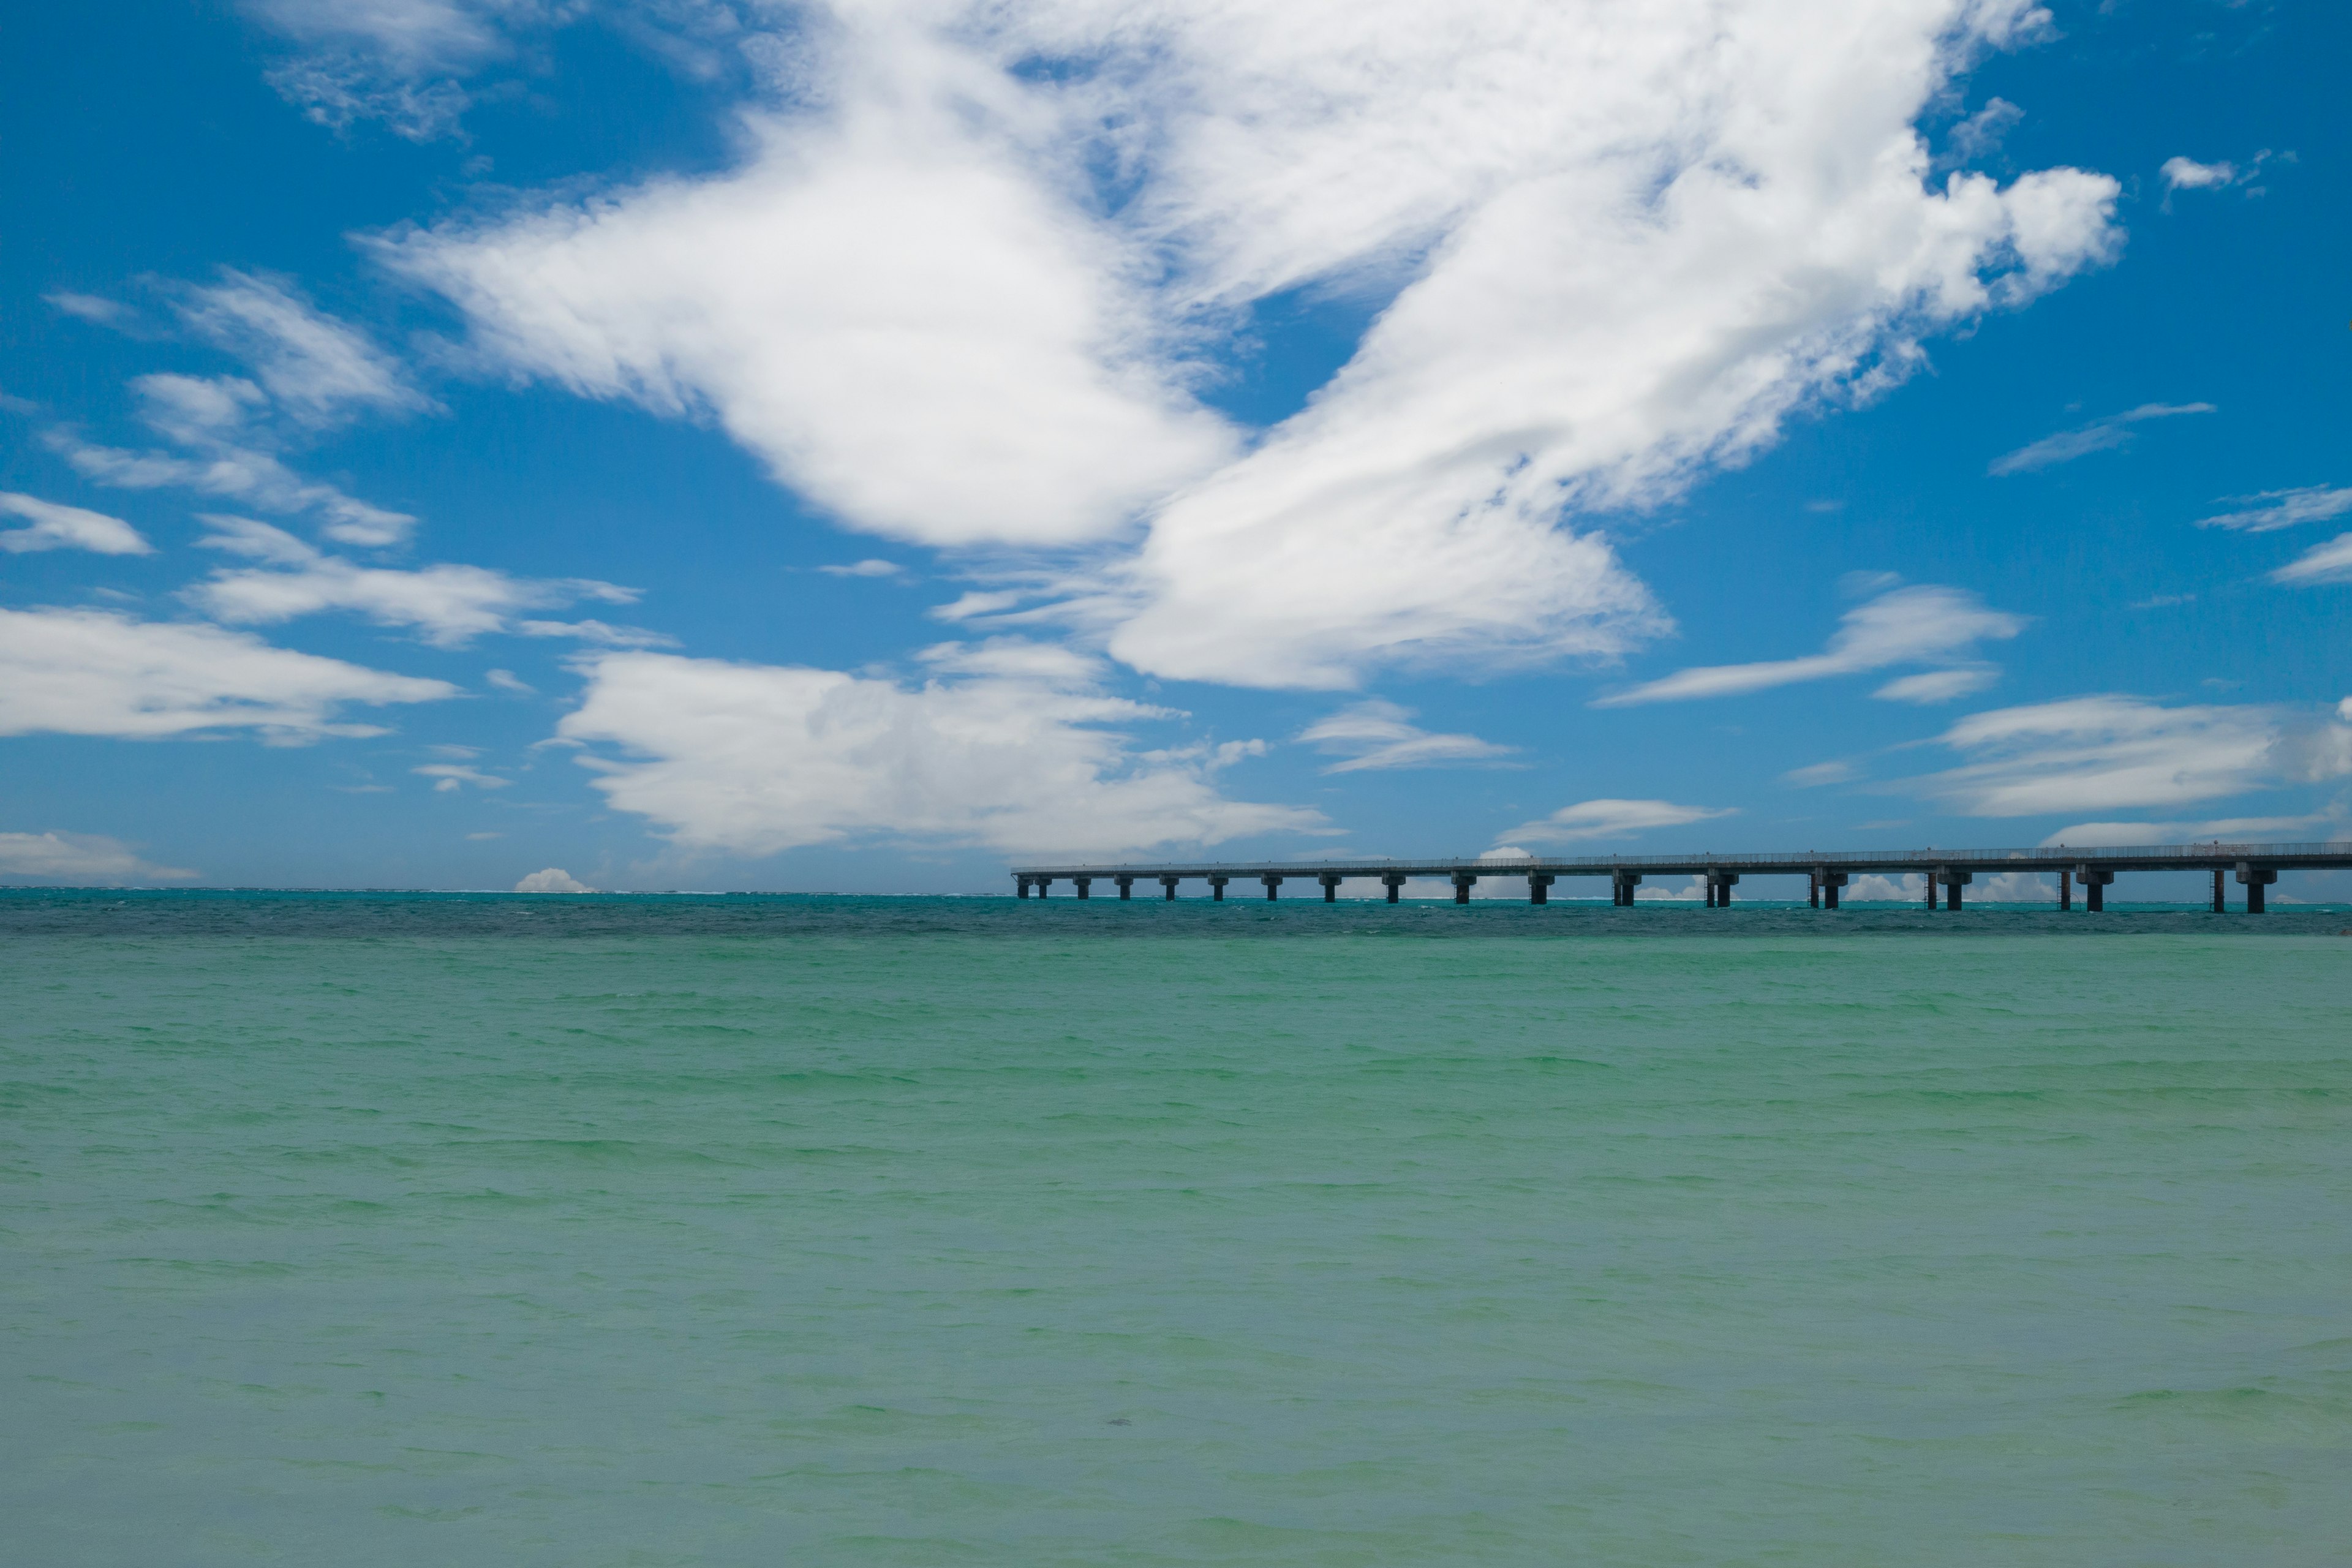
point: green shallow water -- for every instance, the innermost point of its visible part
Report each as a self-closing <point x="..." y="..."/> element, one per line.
<point x="887" y="1240"/>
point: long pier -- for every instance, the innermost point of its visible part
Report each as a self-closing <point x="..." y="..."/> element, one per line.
<point x="2254" y="866"/>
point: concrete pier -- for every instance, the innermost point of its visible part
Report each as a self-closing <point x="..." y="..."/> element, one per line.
<point x="1826" y="874"/>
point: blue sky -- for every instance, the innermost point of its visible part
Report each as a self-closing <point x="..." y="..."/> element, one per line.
<point x="710" y="445"/>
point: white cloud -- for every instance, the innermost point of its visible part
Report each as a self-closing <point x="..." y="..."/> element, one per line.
<point x="449" y="777"/>
<point x="1909" y="625"/>
<point x="1820" y="773"/>
<point x="869" y="568"/>
<point x="393" y="60"/>
<point x="2099" y="436"/>
<point x="2187" y="174"/>
<point x="1624" y="245"/>
<point x="508" y="681"/>
<point x="1938" y="685"/>
<point x="77" y="860"/>
<point x="1910" y="889"/>
<point x="554" y="880"/>
<point x="2103" y="752"/>
<point x="1377" y="734"/>
<point x="2012" y="887"/>
<point x="84" y="672"/>
<point x="1980" y="134"/>
<point x="1662" y="239"/>
<point x="2329" y="563"/>
<point x="890" y="304"/>
<point x="317" y="369"/>
<point x="1608" y="819"/>
<point x="90" y="308"/>
<point x="2283" y="509"/>
<point x="601" y="633"/>
<point x="59" y="527"/>
<point x="1006" y="745"/>
<point x="403" y="35"/>
<point x="448" y="605"/>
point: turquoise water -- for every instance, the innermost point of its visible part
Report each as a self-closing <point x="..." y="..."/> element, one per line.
<point x="838" y="1231"/>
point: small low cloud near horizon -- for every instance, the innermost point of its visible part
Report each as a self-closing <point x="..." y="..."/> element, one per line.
<point x="951" y="434"/>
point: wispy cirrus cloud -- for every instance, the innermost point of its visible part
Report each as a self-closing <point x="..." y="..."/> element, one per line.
<point x="56" y="526"/>
<point x="1592" y="819"/>
<point x="1375" y="734"/>
<point x="2268" y="510"/>
<point x="2102" y="752"/>
<point x="86" y="672"/>
<point x="2117" y="430"/>
<point x="2329" y="563"/>
<point x="447" y="605"/>
<point x="316" y="369"/>
<point x="309" y="371"/>
<point x="1910" y="625"/>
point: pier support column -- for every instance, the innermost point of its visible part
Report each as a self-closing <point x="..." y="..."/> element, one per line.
<point x="1330" y="887"/>
<point x="1020" y="885"/>
<point x="1043" y="883"/>
<point x="2255" y="877"/>
<point x="1170" y="884"/>
<point x="2066" y="891"/>
<point x="1392" y="881"/>
<point x="1623" y="884"/>
<point x="2094" y="888"/>
<point x="1832" y="881"/>
<point x="1217" y="888"/>
<point x="1931" y="892"/>
<point x="1813" y="891"/>
<point x="1126" y="886"/>
<point x="2220" y="907"/>
<point x="1272" y="882"/>
<point x="1953" y="882"/>
<point x="1539" y="887"/>
<point x="1719" y="890"/>
<point x="1082" y="884"/>
<point x="1461" y="882"/>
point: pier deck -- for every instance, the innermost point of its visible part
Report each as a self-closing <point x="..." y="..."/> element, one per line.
<point x="2253" y="867"/>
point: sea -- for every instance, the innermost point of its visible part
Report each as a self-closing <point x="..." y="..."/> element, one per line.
<point x="361" y="1229"/>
